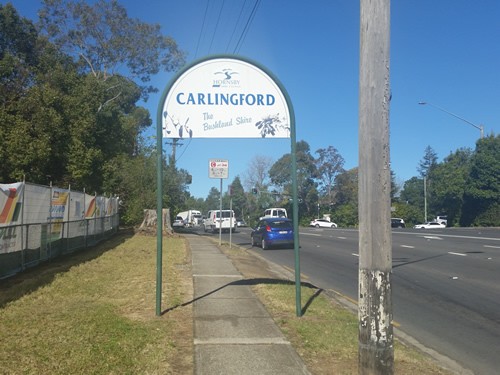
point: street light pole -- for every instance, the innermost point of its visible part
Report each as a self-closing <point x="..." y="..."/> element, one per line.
<point x="480" y="127"/>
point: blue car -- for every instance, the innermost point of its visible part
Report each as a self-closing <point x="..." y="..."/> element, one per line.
<point x="273" y="231"/>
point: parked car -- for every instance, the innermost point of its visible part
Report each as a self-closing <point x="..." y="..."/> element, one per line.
<point x="178" y="222"/>
<point x="241" y="223"/>
<point x="323" y="223"/>
<point x="273" y="232"/>
<point x="430" y="225"/>
<point x="397" y="222"/>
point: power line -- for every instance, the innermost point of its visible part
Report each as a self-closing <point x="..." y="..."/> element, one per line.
<point x="247" y="27"/>
<point x="201" y="31"/>
<point x="235" y="26"/>
<point x="184" y="150"/>
<point x="216" y="26"/>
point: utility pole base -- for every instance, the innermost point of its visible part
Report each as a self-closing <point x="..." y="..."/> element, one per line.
<point x="376" y="345"/>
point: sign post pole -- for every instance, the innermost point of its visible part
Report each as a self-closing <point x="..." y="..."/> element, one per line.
<point x="220" y="214"/>
<point x="159" y="212"/>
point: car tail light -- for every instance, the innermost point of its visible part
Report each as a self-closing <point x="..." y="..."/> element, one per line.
<point x="268" y="228"/>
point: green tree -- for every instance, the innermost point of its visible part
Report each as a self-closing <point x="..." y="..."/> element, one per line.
<point x="134" y="181"/>
<point x="75" y="121"/>
<point x="329" y="164"/>
<point x="239" y="197"/>
<point x="106" y="40"/>
<point x="345" y="206"/>
<point x="413" y="192"/>
<point x="18" y="54"/>
<point x="411" y="214"/>
<point x="413" y="196"/>
<point x="394" y="186"/>
<point x="428" y="162"/>
<point x="346" y="187"/>
<point x="280" y="176"/>
<point x="38" y="83"/>
<point x="213" y="199"/>
<point x="482" y="191"/>
<point x="448" y="185"/>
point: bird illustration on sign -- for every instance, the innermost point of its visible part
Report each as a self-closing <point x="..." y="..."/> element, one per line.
<point x="181" y="129"/>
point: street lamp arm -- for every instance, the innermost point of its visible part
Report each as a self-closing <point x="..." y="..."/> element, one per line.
<point x="480" y="127"/>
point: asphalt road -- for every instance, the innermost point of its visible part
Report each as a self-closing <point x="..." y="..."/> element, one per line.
<point x="446" y="284"/>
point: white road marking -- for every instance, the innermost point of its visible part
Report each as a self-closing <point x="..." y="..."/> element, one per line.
<point x="452" y="253"/>
<point x="493" y="247"/>
<point x="356" y="255"/>
<point x="309" y="234"/>
<point x="432" y="237"/>
<point x="408" y="246"/>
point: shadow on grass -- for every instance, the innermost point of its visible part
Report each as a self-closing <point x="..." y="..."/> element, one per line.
<point x="31" y="279"/>
<point x="253" y="282"/>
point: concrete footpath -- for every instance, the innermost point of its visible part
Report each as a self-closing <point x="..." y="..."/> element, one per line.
<point x="233" y="332"/>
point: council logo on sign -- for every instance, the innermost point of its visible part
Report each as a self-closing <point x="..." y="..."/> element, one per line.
<point x="227" y="79"/>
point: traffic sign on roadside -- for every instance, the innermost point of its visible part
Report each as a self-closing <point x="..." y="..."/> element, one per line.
<point x="218" y="168"/>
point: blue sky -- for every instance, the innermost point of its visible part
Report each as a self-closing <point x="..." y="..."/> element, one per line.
<point x="446" y="53"/>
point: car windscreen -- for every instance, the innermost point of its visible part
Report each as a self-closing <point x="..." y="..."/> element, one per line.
<point x="280" y="224"/>
<point x="225" y="214"/>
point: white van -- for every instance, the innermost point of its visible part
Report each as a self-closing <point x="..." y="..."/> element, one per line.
<point x="213" y="221"/>
<point x="443" y="219"/>
<point x="192" y="218"/>
<point x="274" y="212"/>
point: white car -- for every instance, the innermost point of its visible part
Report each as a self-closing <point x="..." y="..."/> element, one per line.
<point x="178" y="222"/>
<point x="322" y="223"/>
<point x="431" y="225"/>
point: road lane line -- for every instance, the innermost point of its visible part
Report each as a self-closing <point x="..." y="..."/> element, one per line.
<point x="432" y="238"/>
<point x="450" y="235"/>
<point x="408" y="246"/>
<point x="493" y="247"/>
<point x="309" y="234"/>
<point x="452" y="253"/>
<point x="356" y="255"/>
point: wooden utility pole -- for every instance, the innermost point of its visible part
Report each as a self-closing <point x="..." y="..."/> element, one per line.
<point x="376" y="350"/>
<point x="174" y="144"/>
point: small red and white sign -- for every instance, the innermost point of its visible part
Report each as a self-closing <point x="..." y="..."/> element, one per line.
<point x="218" y="168"/>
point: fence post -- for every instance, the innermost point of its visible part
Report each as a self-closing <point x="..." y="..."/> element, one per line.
<point x="50" y="221"/>
<point x="68" y="218"/>
<point x="23" y="247"/>
<point x="85" y="219"/>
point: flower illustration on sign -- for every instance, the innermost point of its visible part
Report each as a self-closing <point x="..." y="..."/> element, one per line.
<point x="270" y="125"/>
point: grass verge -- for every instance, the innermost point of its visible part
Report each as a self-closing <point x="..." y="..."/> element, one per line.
<point x="94" y="312"/>
<point x="326" y="336"/>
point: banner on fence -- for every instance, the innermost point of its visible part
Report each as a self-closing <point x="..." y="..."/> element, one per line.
<point x="11" y="199"/>
<point x="23" y="204"/>
<point x="58" y="213"/>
